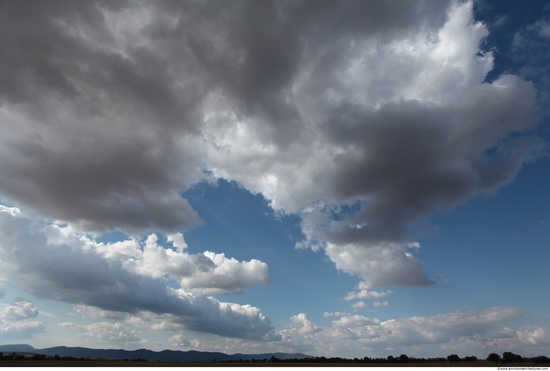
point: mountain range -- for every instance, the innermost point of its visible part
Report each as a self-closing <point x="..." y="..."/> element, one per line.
<point x="146" y="354"/>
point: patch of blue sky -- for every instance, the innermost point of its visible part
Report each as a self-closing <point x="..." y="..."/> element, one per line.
<point x="504" y="22"/>
<point x="243" y="226"/>
<point x="493" y="250"/>
<point x="111" y="236"/>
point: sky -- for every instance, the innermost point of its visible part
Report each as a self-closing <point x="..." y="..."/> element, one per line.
<point x="340" y="179"/>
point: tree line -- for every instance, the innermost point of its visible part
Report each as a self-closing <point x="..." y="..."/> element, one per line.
<point x="506" y="358"/>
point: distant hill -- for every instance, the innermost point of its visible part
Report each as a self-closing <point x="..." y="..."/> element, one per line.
<point x="149" y="355"/>
<point x="17" y="348"/>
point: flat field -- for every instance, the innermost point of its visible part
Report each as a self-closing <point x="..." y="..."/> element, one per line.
<point x="106" y="363"/>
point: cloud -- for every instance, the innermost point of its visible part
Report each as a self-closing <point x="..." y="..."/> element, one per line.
<point x="224" y="319"/>
<point x="149" y="99"/>
<point x="359" y="117"/>
<point x="399" y="129"/>
<point x="2" y="290"/>
<point x="177" y="241"/>
<point x="303" y="325"/>
<point x="13" y="211"/>
<point x="19" y="310"/>
<point x="206" y="273"/>
<point x="179" y="341"/>
<point x="427" y="335"/>
<point x="364" y="293"/>
<point x="387" y="264"/>
<point x="528" y="52"/>
<point x="51" y="262"/>
<point x="535" y="335"/>
<point x="525" y="340"/>
<point x="355" y="320"/>
<point x="359" y="305"/>
<point x="105" y="332"/>
<point x="86" y="143"/>
<point x="20" y="330"/>
<point x="228" y="276"/>
<point x="335" y="314"/>
<point x="94" y="312"/>
<point x="441" y="328"/>
<point x="15" y="320"/>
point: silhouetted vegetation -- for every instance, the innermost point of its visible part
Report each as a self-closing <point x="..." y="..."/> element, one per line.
<point x="453" y="358"/>
<point x="541" y="360"/>
<point x="470" y="359"/>
<point x="37" y="357"/>
<point x="507" y="357"/>
<point x="493" y="357"/>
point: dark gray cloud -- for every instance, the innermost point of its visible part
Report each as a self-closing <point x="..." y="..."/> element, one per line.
<point x="411" y="159"/>
<point x="93" y="123"/>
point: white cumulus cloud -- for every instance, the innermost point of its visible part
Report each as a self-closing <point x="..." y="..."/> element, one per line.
<point x="16" y="320"/>
<point x="19" y="310"/>
<point x="365" y="293"/>
<point x="426" y="336"/>
<point x="535" y="335"/>
<point x="105" y="332"/>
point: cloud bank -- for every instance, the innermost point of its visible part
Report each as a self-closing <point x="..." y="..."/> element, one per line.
<point x="352" y="335"/>
<point x="359" y="126"/>
<point x="478" y="332"/>
<point x="50" y="262"/>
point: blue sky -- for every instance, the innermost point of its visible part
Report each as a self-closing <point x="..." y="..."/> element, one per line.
<point x="332" y="178"/>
